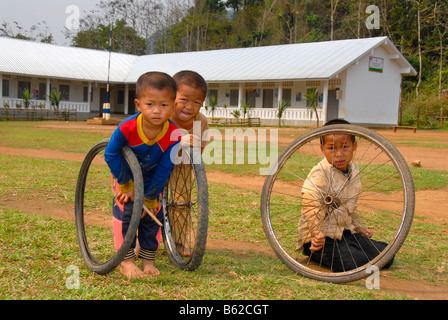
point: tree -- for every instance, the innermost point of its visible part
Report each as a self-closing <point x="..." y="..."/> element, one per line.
<point x="215" y="6"/>
<point x="55" y="98"/>
<point x="38" y="32"/>
<point x="124" y="40"/>
<point x="334" y="5"/>
<point x="440" y="20"/>
<point x="421" y="8"/>
<point x="289" y="20"/>
<point x="234" y="4"/>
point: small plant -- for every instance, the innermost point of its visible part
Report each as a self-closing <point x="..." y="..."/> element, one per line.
<point x="312" y="98"/>
<point x="41" y="106"/>
<point x="213" y="101"/>
<point x="55" y="98"/>
<point x="6" y="106"/>
<point x="236" y="113"/>
<point x="26" y="96"/>
<point x="282" y="106"/>
<point x="246" y="109"/>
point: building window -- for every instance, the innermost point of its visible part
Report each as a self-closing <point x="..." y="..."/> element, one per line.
<point x="120" y="98"/>
<point x="234" y="97"/>
<point x="5" y="88"/>
<point x="268" y="98"/>
<point x="22" y="86"/>
<point x="42" y="91"/>
<point x="64" y="89"/>
<point x="287" y="96"/>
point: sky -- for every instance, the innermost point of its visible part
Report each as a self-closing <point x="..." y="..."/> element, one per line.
<point x="56" y="13"/>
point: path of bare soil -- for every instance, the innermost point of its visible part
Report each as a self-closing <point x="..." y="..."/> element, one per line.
<point x="427" y="202"/>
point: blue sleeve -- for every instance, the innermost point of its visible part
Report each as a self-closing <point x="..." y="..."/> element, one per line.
<point x="163" y="170"/>
<point x="115" y="160"/>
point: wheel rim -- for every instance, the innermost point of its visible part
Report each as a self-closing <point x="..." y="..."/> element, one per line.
<point x="385" y="203"/>
<point x="94" y="197"/>
<point x="185" y="208"/>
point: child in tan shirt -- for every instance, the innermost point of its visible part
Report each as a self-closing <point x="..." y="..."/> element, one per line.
<point x="330" y="230"/>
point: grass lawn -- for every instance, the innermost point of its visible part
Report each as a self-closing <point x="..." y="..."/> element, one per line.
<point x="40" y="256"/>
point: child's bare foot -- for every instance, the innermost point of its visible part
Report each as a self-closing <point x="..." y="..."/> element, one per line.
<point x="149" y="268"/>
<point x="129" y="269"/>
<point x="184" y="252"/>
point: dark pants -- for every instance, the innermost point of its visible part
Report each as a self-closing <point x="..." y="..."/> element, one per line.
<point x="351" y="252"/>
<point x="149" y="232"/>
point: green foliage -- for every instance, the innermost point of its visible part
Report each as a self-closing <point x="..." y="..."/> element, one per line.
<point x="430" y="107"/>
<point x="312" y="98"/>
<point x="26" y="96"/>
<point x="55" y="98"/>
<point x="236" y="113"/>
<point x="125" y="38"/>
<point x="282" y="106"/>
<point x="213" y="101"/>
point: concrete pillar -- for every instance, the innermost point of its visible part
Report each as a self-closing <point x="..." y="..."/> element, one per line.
<point x="240" y="94"/>
<point x="126" y="99"/>
<point x="325" y="102"/>
<point x="47" y="94"/>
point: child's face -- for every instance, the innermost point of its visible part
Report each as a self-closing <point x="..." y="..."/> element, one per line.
<point x="189" y="101"/>
<point x="338" y="150"/>
<point x="155" y="105"/>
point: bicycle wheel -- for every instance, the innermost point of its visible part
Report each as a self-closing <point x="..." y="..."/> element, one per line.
<point x="93" y="202"/>
<point x="185" y="211"/>
<point x="383" y="196"/>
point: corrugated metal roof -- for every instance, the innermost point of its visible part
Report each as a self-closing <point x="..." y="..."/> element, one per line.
<point x="317" y="60"/>
<point x="47" y="60"/>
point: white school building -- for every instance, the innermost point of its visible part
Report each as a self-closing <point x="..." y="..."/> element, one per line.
<point x="358" y="80"/>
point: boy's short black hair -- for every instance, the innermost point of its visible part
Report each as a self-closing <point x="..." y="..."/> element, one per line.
<point x="336" y="121"/>
<point x="192" y="79"/>
<point x="333" y="122"/>
<point x="157" y="80"/>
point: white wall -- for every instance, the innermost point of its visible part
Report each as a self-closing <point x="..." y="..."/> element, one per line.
<point x="373" y="97"/>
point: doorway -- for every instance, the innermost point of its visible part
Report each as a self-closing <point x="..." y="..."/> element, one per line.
<point x="332" y="105"/>
<point x="251" y="95"/>
<point x="131" y="103"/>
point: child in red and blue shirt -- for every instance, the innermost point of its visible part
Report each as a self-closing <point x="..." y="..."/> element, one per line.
<point x="154" y="139"/>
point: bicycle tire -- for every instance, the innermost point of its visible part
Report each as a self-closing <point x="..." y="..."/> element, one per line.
<point x="88" y="257"/>
<point x="192" y="205"/>
<point x="277" y="238"/>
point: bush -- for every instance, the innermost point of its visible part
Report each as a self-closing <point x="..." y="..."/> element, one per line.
<point x="430" y="106"/>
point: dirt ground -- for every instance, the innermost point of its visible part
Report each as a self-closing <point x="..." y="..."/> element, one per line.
<point x="428" y="202"/>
